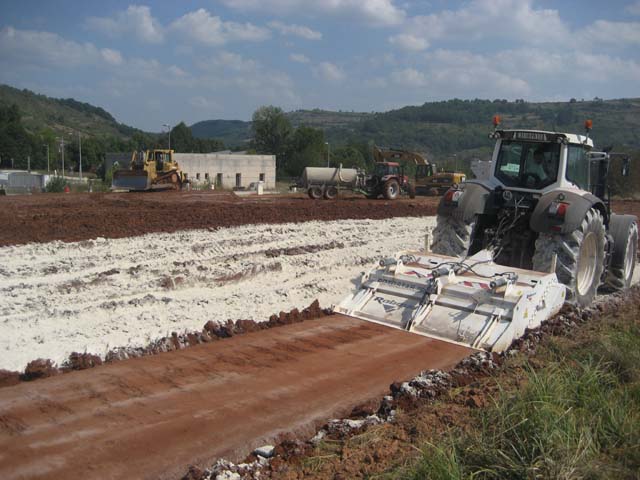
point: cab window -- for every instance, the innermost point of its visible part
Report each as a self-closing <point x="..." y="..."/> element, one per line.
<point x="527" y="164"/>
<point x="578" y="166"/>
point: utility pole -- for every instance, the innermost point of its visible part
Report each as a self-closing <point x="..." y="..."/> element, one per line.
<point x="62" y="152"/>
<point x="328" y="152"/>
<point x="80" y="141"/>
<point x="29" y="163"/>
<point x="169" y="130"/>
<point x="47" y="145"/>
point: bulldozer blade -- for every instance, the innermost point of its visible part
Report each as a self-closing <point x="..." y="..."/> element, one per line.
<point x="130" y="180"/>
<point x="472" y="302"/>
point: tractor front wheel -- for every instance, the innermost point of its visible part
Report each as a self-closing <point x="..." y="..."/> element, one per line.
<point x="391" y="189"/>
<point x="580" y="258"/>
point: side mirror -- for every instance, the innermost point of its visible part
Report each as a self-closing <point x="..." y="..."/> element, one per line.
<point x="626" y="166"/>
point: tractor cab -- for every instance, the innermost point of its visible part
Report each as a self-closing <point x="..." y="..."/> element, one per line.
<point x="536" y="160"/>
<point x="382" y="169"/>
<point x="425" y="171"/>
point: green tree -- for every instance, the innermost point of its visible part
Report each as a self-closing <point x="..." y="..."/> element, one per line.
<point x="271" y="130"/>
<point x="306" y="148"/>
<point x="349" y="156"/>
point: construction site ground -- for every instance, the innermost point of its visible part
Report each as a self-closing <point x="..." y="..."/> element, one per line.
<point x="151" y="417"/>
<point x="74" y="217"/>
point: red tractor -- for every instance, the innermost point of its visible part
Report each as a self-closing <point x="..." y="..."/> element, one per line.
<point x="388" y="179"/>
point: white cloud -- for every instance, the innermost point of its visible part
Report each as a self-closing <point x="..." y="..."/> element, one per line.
<point x="36" y="48"/>
<point x="135" y="21"/>
<point x="614" y="33"/>
<point x="633" y="8"/>
<point x="204" y="103"/>
<point x="376" y="12"/>
<point x="378" y="82"/>
<point x="517" y="23"/>
<point x="328" y="71"/>
<point x="476" y="20"/>
<point x="28" y="49"/>
<point x="462" y="74"/>
<point x="112" y="57"/>
<point x="409" y="77"/>
<point x="409" y="42"/>
<point x="296" y="30"/>
<point x="299" y="58"/>
<point x="205" y="28"/>
<point x="229" y="60"/>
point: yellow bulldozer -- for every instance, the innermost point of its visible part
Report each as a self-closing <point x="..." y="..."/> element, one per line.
<point x="150" y="170"/>
<point x="428" y="180"/>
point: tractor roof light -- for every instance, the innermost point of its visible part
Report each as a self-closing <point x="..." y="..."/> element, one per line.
<point x="588" y="125"/>
<point x="496" y="120"/>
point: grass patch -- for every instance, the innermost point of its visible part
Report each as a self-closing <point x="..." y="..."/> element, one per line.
<point x="577" y="416"/>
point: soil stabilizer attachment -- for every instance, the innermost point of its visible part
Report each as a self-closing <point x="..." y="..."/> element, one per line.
<point x="472" y="302"/>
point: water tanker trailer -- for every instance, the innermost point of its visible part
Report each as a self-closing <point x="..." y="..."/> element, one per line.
<point x="387" y="180"/>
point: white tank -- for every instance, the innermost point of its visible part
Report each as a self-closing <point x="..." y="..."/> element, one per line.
<point x="329" y="176"/>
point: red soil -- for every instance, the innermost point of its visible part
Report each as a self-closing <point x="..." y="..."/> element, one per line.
<point x="153" y="416"/>
<point x="82" y="216"/>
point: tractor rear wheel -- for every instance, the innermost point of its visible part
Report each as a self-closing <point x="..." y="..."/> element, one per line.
<point x="625" y="251"/>
<point x="391" y="189"/>
<point x="330" y="192"/>
<point x="580" y="257"/>
<point x="452" y="237"/>
<point x="315" y="193"/>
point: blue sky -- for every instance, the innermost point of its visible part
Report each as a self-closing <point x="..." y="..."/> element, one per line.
<point x="152" y="63"/>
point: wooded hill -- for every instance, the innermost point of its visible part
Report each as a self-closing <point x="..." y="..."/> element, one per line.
<point x="456" y="126"/>
<point x="63" y="116"/>
<point x="32" y="124"/>
<point x="449" y="132"/>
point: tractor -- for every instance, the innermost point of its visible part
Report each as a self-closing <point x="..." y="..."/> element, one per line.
<point x="545" y="206"/>
<point x="509" y="250"/>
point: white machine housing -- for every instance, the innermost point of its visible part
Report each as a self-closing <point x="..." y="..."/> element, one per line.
<point x="484" y="306"/>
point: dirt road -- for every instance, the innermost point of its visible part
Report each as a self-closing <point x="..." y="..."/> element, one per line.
<point x="74" y="217"/>
<point x="151" y="417"/>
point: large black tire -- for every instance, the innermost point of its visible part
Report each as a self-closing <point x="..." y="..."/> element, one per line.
<point x="315" y="193"/>
<point x="330" y="192"/>
<point x="391" y="189"/>
<point x="452" y="237"/>
<point x="580" y="258"/>
<point x="624" y="230"/>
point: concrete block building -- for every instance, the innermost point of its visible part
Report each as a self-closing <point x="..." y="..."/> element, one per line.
<point x="228" y="170"/>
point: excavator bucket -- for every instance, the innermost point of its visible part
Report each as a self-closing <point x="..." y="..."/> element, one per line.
<point x="472" y="302"/>
<point x="130" y="180"/>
